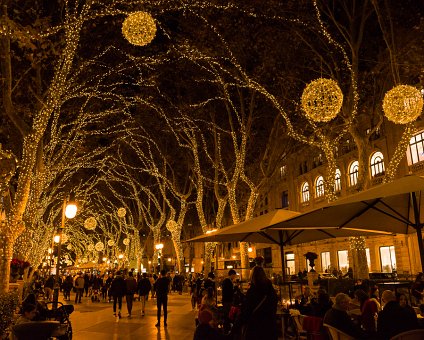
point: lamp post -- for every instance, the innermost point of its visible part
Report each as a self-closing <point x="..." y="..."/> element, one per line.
<point x="69" y="210"/>
<point x="159" y="248"/>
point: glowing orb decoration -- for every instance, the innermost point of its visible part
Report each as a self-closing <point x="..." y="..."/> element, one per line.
<point x="322" y="100"/>
<point x="403" y="104"/>
<point x="69" y="247"/>
<point x="69" y="262"/>
<point x="90" y="223"/>
<point x="84" y="260"/>
<point x="111" y="243"/>
<point x="90" y="247"/>
<point x="122" y="212"/>
<point x="65" y="238"/>
<point x="126" y="241"/>
<point x="99" y="246"/>
<point x="139" y="28"/>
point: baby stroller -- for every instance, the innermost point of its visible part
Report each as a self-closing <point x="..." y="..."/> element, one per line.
<point x="95" y="296"/>
<point x="61" y="314"/>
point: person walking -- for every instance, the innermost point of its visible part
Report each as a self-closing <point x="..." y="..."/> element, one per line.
<point x="67" y="287"/>
<point x="117" y="290"/>
<point x="144" y="286"/>
<point x="79" y="287"/>
<point x="162" y="289"/>
<point x="227" y="295"/>
<point x="48" y="287"/>
<point x="130" y="289"/>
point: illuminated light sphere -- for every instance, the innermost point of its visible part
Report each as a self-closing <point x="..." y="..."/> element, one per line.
<point x="322" y="100"/>
<point x="71" y="210"/>
<point x="99" y="246"/>
<point x="126" y="241"/>
<point x="65" y="238"/>
<point x="69" y="247"/>
<point x="90" y="223"/>
<point x="122" y="212"/>
<point x="139" y="28"/>
<point x="403" y="104"/>
<point x="84" y="260"/>
<point x="111" y="243"/>
<point x="90" y="247"/>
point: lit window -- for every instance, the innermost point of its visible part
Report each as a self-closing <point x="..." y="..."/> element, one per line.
<point x="416" y="149"/>
<point x="353" y="173"/>
<point x="367" y="253"/>
<point x="377" y="164"/>
<point x="305" y="192"/>
<point x="343" y="260"/>
<point x="290" y="264"/>
<point x="319" y="187"/>
<point x="325" y="261"/>
<point x="338" y="181"/>
<point x="387" y="259"/>
<point x="283" y="170"/>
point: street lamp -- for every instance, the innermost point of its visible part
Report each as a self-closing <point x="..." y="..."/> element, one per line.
<point x="69" y="210"/>
<point x="159" y="248"/>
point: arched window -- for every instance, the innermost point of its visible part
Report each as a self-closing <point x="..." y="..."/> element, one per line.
<point x="377" y="164"/>
<point x="338" y="181"/>
<point x="353" y="173"/>
<point x="319" y="186"/>
<point x="305" y="192"/>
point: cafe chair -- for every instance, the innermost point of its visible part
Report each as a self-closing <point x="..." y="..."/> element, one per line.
<point x="415" y="334"/>
<point x="37" y="330"/>
<point x="336" y="334"/>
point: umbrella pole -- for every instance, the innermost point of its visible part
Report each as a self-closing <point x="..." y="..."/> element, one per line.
<point x="418" y="227"/>
<point x="283" y="265"/>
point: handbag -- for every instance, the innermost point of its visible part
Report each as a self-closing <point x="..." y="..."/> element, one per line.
<point x="245" y="326"/>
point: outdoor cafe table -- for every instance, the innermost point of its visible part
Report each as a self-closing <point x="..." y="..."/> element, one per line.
<point x="395" y="285"/>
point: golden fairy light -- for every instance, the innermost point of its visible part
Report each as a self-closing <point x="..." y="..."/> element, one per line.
<point x="90" y="223"/>
<point x="99" y="246"/>
<point x="403" y="104"/>
<point x="122" y="212"/>
<point x="126" y="241"/>
<point x="111" y="243"/>
<point x="139" y="28"/>
<point x="322" y="100"/>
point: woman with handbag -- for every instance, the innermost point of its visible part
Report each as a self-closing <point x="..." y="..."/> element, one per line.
<point x="258" y="312"/>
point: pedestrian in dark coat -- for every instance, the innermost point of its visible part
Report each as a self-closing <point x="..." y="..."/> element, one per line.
<point x="118" y="290"/>
<point x="130" y="288"/>
<point x="258" y="314"/>
<point x="162" y="289"/>
<point x="144" y="286"/>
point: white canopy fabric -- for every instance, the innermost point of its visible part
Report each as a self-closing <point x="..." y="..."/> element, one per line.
<point x="254" y="230"/>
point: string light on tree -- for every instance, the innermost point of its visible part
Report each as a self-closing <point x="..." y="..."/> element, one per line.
<point x="322" y="100"/>
<point x="139" y="28"/>
<point x="403" y="104"/>
<point x="122" y="212"/>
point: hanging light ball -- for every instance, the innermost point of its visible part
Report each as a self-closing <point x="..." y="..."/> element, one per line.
<point x="99" y="246"/>
<point x="84" y="260"/>
<point x="90" y="223"/>
<point x="90" y="247"/>
<point x="69" y="247"/>
<point x="403" y="104"/>
<point x="122" y="212"/>
<point x="111" y="243"/>
<point x="139" y="28"/>
<point x="126" y="241"/>
<point x="322" y="100"/>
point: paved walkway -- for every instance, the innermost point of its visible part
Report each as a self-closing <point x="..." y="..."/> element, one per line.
<point x="95" y="320"/>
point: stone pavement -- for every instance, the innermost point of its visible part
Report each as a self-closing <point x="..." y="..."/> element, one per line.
<point x="95" y="321"/>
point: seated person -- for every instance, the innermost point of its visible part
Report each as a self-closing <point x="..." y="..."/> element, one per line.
<point x="369" y="310"/>
<point x="41" y="310"/>
<point x="204" y="331"/>
<point x="321" y="304"/>
<point x="29" y="312"/>
<point x="394" y="319"/>
<point x="337" y="317"/>
<point x="403" y="302"/>
<point x="303" y="302"/>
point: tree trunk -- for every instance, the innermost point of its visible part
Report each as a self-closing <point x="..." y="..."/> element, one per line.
<point x="359" y="257"/>
<point x="209" y="248"/>
<point x="6" y="252"/>
<point x="179" y="253"/>
<point x="244" y="257"/>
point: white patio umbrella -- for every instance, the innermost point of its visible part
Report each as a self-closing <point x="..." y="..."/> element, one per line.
<point x="392" y="207"/>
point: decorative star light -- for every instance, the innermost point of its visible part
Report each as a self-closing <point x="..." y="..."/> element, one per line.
<point x="322" y="100"/>
<point x="403" y="104"/>
<point x="139" y="28"/>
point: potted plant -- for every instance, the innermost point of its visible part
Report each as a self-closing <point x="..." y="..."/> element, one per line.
<point x="311" y="257"/>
